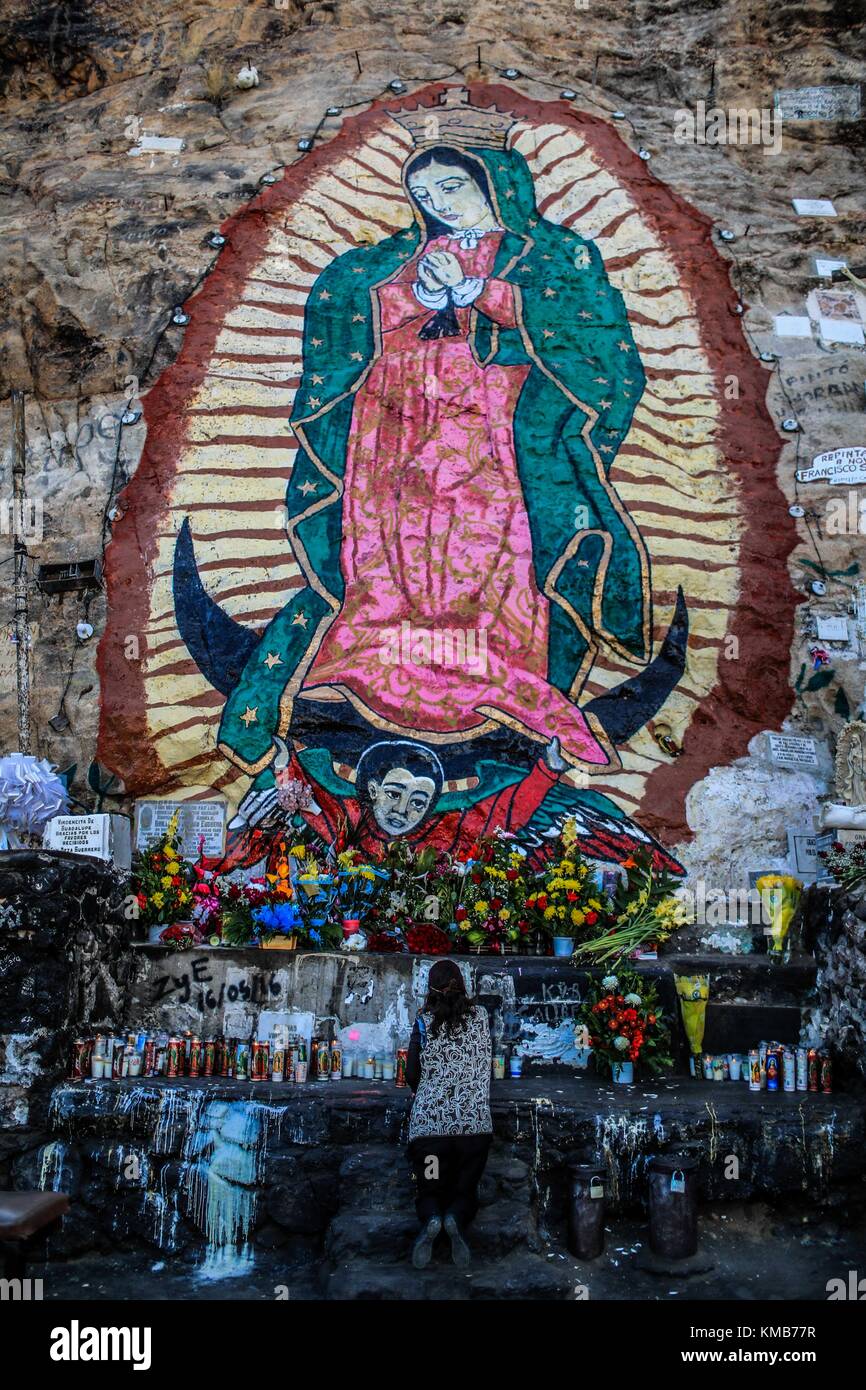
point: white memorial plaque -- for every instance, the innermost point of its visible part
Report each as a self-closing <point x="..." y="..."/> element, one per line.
<point x="101" y="836"/>
<point x="836" y="466"/>
<point x="161" y="144"/>
<point x="197" y="818"/>
<point x="841" y="103"/>
<point x="792" y="326"/>
<point x="790" y="750"/>
<point x="841" y="331"/>
<point x="832" y="629"/>
<point x="825" y="268"/>
<point x="813" y="207"/>
<point x="803" y="853"/>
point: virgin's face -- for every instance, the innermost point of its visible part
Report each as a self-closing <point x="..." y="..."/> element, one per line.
<point x="451" y="194"/>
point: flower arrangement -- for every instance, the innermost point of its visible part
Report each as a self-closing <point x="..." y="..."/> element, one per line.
<point x="568" y="900"/>
<point x="421" y="890"/>
<point x="624" y="1022"/>
<point x="357" y="883"/>
<point x="161" y="881"/>
<point x="492" y="912"/>
<point x="847" y="863"/>
<point x="182" y="936"/>
<point x="645" y="911"/>
<point x="780" y="897"/>
<point x="234" y="922"/>
<point x="385" y="942"/>
<point x="426" y="939"/>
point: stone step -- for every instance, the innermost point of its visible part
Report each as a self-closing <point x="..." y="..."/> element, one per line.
<point x="520" y="1275"/>
<point x="382" y="1174"/>
<point x="376" y="1172"/>
<point x="386" y="1236"/>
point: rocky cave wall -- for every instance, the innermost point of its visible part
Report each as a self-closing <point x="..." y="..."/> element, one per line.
<point x="101" y="242"/>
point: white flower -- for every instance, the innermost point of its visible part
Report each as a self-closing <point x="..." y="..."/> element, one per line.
<point x="633" y="1000"/>
<point x="609" y="982"/>
<point x="621" y="1043"/>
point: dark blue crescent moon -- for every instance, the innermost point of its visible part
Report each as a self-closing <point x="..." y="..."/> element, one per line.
<point x="221" y="647"/>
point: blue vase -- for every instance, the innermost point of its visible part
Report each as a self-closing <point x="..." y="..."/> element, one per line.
<point x="563" y="946"/>
<point x="623" y="1073"/>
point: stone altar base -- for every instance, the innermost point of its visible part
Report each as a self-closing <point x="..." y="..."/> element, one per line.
<point x="314" y="1178"/>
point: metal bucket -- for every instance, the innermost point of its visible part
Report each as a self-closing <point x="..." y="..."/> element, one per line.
<point x="673" y="1205"/>
<point x="587" y="1208"/>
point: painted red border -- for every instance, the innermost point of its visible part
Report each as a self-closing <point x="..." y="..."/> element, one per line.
<point x="752" y="692"/>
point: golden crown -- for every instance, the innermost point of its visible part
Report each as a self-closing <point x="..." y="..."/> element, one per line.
<point x="455" y="122"/>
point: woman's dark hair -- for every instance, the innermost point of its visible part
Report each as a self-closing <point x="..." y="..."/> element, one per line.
<point x="447" y="1002"/>
<point x="444" y="323"/>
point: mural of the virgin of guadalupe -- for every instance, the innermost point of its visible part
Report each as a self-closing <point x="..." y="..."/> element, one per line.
<point x="466" y="386"/>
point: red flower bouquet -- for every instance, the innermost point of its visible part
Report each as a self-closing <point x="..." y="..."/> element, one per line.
<point x="426" y="940"/>
<point x="622" y="1021"/>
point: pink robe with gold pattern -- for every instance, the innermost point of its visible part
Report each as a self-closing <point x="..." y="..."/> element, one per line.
<point x="436" y="535"/>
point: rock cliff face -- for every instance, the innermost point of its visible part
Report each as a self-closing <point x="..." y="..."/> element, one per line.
<point x="127" y="143"/>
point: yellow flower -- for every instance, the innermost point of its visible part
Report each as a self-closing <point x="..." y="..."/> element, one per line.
<point x="298" y="851"/>
<point x="157" y="899"/>
<point x="577" y="917"/>
<point x="549" y="913"/>
<point x="481" y="906"/>
<point x="166" y="881"/>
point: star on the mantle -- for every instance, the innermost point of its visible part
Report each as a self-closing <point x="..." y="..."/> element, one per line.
<point x="324" y="294"/>
<point x="533" y="222"/>
<point x="250" y="716"/>
<point x="313" y="402"/>
<point x="358" y="270"/>
<point x="607" y="404"/>
<point x="584" y="314"/>
<point x="602" y="380"/>
<point x="624" y="346"/>
<point x="317" y="342"/>
<point x="300" y="620"/>
<point x="626" y="381"/>
<point x="549" y="332"/>
<point x="356" y="356"/>
<point x="357" y="318"/>
<point x="545" y="257"/>
<point x="606" y="449"/>
<point x="526" y="270"/>
<point x="549" y="293"/>
<point x="509" y="192"/>
<point x="273" y="659"/>
<point x="307" y="487"/>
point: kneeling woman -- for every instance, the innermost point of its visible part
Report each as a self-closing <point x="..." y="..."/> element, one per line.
<point x="450" y="1129"/>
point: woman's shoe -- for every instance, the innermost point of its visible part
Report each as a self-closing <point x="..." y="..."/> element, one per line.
<point x="460" y="1252"/>
<point x="422" y="1250"/>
